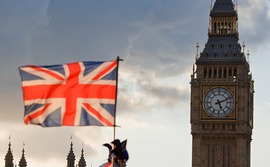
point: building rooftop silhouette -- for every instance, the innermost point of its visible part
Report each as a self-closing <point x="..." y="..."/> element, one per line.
<point x="71" y="158"/>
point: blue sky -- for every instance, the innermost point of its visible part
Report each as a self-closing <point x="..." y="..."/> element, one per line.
<point x="157" y="40"/>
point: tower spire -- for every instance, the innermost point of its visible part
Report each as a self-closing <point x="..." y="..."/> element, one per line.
<point x="22" y="162"/>
<point x="82" y="162"/>
<point x="197" y="53"/>
<point x="9" y="156"/>
<point x="71" y="157"/>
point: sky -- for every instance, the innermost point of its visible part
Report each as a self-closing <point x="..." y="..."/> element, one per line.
<point x="157" y="40"/>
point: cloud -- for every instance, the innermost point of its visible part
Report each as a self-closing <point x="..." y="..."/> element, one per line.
<point x="254" y="22"/>
<point x="158" y="57"/>
<point x="142" y="90"/>
<point x="20" y="23"/>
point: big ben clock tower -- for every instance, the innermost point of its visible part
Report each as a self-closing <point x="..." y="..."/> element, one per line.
<point x="221" y="111"/>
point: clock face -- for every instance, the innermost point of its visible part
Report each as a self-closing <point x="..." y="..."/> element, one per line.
<point x="218" y="102"/>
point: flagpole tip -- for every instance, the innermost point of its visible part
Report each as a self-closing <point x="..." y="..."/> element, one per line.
<point x="119" y="59"/>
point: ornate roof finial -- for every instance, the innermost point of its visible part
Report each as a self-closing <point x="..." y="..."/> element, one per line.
<point x="197" y="54"/>
<point x="197" y="46"/>
<point x="9" y="143"/>
<point x="248" y="54"/>
<point x="71" y="142"/>
<point x="244" y="45"/>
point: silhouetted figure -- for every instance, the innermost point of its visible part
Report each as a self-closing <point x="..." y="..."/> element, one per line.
<point x="118" y="151"/>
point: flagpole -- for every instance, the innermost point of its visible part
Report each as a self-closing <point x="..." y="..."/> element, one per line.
<point x="116" y="93"/>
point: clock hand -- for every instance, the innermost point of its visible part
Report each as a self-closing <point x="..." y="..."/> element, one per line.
<point x="225" y="99"/>
<point x="218" y="102"/>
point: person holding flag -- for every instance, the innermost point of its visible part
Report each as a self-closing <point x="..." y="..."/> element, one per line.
<point x="118" y="154"/>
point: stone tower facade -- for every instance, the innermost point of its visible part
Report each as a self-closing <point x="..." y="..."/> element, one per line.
<point x="221" y="111"/>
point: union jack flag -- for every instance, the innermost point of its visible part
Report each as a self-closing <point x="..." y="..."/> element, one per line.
<point x="74" y="94"/>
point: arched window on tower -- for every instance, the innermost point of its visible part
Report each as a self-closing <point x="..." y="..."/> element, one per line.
<point x="210" y="73"/>
<point x="230" y="71"/>
<point x="215" y="28"/>
<point x="229" y="28"/>
<point x="219" y="72"/>
<point x="225" y="72"/>
<point x="215" y="72"/>
<point x="205" y="72"/>
<point x="226" y="29"/>
<point x="218" y="30"/>
<point x="222" y="27"/>
<point x="235" y="72"/>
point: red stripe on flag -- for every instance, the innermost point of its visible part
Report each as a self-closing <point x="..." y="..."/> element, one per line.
<point x="101" y="74"/>
<point x="72" y="94"/>
<point x="65" y="91"/>
<point x="30" y="117"/>
<point x="47" y="72"/>
<point x="97" y="114"/>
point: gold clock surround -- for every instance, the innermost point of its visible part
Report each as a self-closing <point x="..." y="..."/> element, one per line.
<point x="231" y="115"/>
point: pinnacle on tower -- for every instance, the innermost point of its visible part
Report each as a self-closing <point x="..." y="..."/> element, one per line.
<point x="9" y="156"/>
<point x="22" y="162"/>
<point x="71" y="157"/>
<point x="82" y="162"/>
